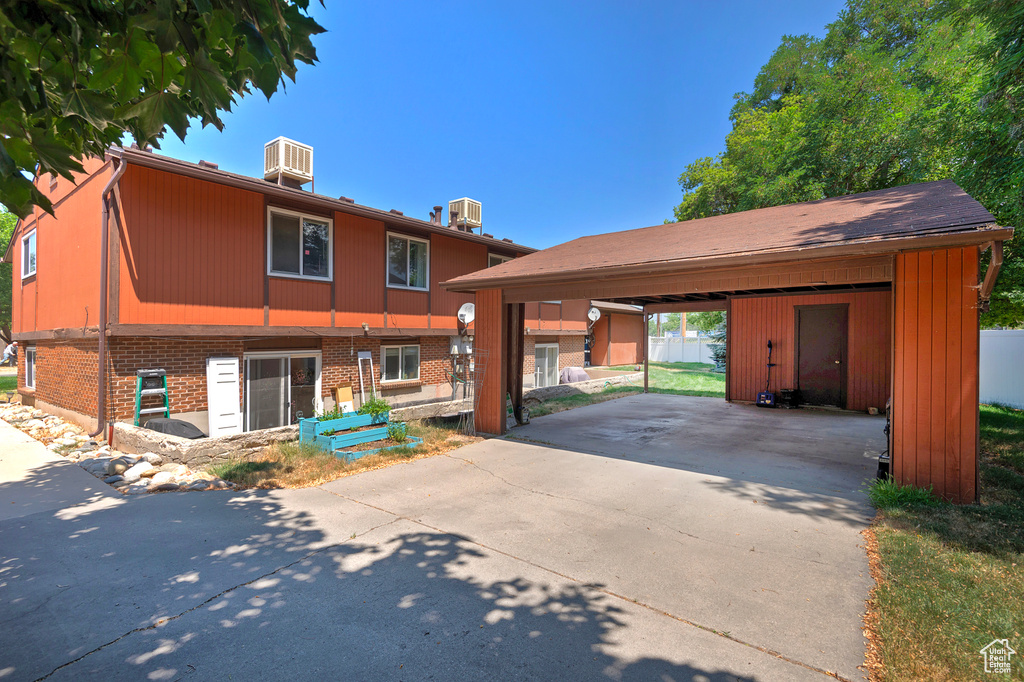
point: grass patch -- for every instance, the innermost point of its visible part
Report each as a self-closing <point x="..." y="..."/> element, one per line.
<point x="684" y="378"/>
<point x="568" y="402"/>
<point x="298" y="465"/>
<point x="951" y="577"/>
<point x="9" y="383"/>
<point x="677" y="378"/>
<point x="889" y="494"/>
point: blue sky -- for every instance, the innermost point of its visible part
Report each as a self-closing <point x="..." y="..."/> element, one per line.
<point x="562" y="121"/>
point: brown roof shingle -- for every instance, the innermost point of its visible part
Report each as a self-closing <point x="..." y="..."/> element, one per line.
<point x="881" y="217"/>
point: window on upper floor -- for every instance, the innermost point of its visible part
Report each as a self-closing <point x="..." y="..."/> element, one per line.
<point x="28" y="254"/>
<point x="494" y="259"/>
<point x="299" y="245"/>
<point x="400" y="363"/>
<point x="408" y="262"/>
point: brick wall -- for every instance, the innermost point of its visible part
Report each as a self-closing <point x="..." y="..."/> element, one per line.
<point x="184" y="361"/>
<point x="570" y="351"/>
<point x="65" y="373"/>
<point x="341" y="355"/>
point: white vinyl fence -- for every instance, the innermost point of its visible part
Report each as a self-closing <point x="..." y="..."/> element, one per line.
<point x="676" y="349"/>
<point x="1002" y="367"/>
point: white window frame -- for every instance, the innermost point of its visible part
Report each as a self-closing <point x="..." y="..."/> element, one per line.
<point x="30" y="367"/>
<point x="558" y="359"/>
<point x="271" y="210"/>
<point x="419" y="363"/>
<point x="31" y="234"/>
<point x="387" y="262"/>
<point x="498" y="257"/>
<point x="273" y="355"/>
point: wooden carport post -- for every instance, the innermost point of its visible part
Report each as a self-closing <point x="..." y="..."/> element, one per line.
<point x="491" y="338"/>
<point x="647" y="344"/>
<point x="935" y="371"/>
<point x="515" y="314"/>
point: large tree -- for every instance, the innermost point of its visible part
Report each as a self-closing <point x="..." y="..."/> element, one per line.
<point x="897" y="91"/>
<point x="78" y="75"/>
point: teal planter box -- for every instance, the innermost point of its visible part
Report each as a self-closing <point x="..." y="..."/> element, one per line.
<point x="312" y="431"/>
<point x="410" y="442"/>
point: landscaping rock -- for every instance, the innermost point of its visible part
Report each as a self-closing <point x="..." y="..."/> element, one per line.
<point x="152" y="458"/>
<point x="118" y="466"/>
<point x="136" y="472"/>
<point x="161" y="477"/>
<point x="131" y="474"/>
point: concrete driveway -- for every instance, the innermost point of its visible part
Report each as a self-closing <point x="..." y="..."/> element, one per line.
<point x="653" y="537"/>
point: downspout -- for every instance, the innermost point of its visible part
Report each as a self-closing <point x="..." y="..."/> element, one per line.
<point x="101" y="383"/>
<point x="990" y="276"/>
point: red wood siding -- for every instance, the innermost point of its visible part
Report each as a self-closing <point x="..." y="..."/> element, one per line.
<point x="299" y="303"/>
<point x="627" y="339"/>
<point x="754" y="321"/>
<point x="450" y="258"/>
<point x="407" y="309"/>
<point x="561" y="316"/>
<point x="192" y="252"/>
<point x="599" y="353"/>
<point x="359" y="271"/>
<point x="935" y="396"/>
<point x="490" y="338"/>
<point x="64" y="292"/>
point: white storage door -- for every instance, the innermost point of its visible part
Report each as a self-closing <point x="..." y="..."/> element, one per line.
<point x="222" y="405"/>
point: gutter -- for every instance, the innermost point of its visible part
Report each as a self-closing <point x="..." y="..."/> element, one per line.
<point x="101" y="384"/>
<point x="990" y="276"/>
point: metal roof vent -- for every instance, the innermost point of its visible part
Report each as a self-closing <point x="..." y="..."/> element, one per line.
<point x="468" y="212"/>
<point x="287" y="162"/>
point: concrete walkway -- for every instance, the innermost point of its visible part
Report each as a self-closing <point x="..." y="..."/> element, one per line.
<point x="33" y="479"/>
<point x="504" y="560"/>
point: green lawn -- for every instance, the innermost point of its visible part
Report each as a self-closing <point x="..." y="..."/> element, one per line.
<point x="9" y="383"/>
<point x="684" y="378"/>
<point x="678" y="378"/>
<point x="952" y="577"/>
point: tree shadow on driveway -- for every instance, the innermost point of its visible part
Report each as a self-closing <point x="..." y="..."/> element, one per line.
<point x="277" y="584"/>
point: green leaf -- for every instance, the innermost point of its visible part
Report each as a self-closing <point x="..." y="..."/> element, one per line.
<point x="155" y="111"/>
<point x="92" y="106"/>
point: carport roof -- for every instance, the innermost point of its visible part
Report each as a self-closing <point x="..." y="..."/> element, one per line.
<point x="925" y="215"/>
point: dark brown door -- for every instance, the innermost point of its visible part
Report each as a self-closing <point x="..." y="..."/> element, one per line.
<point x="821" y="350"/>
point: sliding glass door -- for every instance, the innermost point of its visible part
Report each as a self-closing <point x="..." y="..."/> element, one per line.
<point x="266" y="392"/>
<point x="545" y="360"/>
<point x="280" y="388"/>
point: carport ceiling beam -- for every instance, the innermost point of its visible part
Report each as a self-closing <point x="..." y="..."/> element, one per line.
<point x="637" y="288"/>
<point x="687" y="307"/>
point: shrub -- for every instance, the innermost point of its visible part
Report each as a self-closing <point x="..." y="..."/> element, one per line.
<point x="375" y="407"/>
<point x="397" y="431"/>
